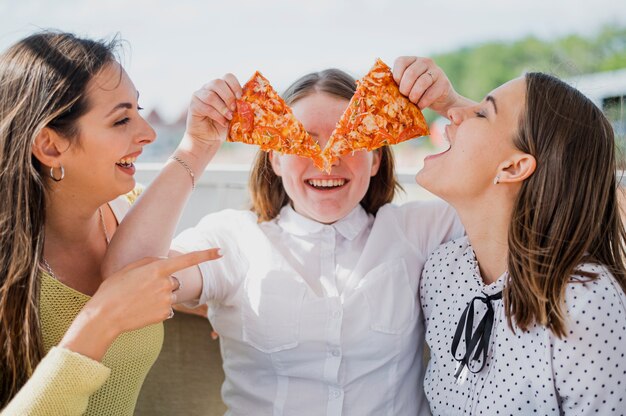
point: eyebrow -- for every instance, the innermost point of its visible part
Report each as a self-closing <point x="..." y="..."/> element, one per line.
<point x="127" y="106"/>
<point x="493" y="101"/>
<point x="120" y="105"/>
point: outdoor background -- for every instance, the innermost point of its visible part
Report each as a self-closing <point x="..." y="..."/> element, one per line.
<point x="173" y="47"/>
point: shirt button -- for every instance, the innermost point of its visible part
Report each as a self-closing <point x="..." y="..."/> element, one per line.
<point x="335" y="353"/>
<point x="335" y="394"/>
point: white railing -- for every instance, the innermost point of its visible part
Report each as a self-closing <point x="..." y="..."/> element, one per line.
<point x="225" y="186"/>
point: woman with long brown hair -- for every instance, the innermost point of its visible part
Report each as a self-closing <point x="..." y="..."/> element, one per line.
<point x="70" y="131"/>
<point x="526" y="314"/>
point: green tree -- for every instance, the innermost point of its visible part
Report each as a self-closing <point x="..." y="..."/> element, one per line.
<point x="478" y="69"/>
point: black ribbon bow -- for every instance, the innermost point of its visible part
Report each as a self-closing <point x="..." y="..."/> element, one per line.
<point x="478" y="341"/>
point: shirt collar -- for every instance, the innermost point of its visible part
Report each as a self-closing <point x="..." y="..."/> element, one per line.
<point x="349" y="226"/>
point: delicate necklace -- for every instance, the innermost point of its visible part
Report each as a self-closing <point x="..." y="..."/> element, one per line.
<point x="48" y="268"/>
<point x="104" y="226"/>
<point x="106" y="237"/>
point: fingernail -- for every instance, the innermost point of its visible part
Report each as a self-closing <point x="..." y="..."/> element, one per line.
<point x="229" y="115"/>
<point x="220" y="252"/>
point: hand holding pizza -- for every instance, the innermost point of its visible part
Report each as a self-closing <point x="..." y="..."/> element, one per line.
<point x="378" y="114"/>
<point x="211" y="109"/>
<point x="425" y="84"/>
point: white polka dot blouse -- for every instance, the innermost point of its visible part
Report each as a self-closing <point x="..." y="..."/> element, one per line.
<point x="516" y="372"/>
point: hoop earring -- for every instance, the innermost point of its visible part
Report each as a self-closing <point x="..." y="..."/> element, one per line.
<point x="52" y="174"/>
<point x="496" y="180"/>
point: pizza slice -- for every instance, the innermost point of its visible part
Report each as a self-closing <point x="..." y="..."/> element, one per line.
<point x="263" y="118"/>
<point x="377" y="115"/>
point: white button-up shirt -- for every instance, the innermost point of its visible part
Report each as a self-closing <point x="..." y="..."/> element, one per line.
<point x="320" y="319"/>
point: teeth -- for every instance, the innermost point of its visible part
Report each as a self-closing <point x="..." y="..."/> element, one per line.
<point x="127" y="161"/>
<point x="326" y="183"/>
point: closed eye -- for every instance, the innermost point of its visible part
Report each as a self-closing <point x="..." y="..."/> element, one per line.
<point x="480" y="114"/>
<point x="126" y="120"/>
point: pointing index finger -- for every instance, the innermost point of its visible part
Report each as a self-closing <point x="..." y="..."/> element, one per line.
<point x="171" y="265"/>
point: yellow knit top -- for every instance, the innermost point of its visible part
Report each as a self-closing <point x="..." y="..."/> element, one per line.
<point x="64" y="380"/>
<point x="129" y="357"/>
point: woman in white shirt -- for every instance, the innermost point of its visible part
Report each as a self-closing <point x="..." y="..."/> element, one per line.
<point x="315" y="299"/>
<point x="526" y="314"/>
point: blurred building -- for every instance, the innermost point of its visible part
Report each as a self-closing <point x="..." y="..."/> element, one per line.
<point x="608" y="91"/>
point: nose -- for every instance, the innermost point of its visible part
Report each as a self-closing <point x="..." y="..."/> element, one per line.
<point x="146" y="133"/>
<point x="335" y="162"/>
<point x="456" y="115"/>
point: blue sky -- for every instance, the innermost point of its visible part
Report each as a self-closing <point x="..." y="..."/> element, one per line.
<point x="176" y="46"/>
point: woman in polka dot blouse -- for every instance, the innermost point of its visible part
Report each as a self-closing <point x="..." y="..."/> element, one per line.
<point x="526" y="314"/>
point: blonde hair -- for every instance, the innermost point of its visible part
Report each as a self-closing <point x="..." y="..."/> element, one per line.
<point x="266" y="189"/>
<point x="567" y="212"/>
<point x="43" y="79"/>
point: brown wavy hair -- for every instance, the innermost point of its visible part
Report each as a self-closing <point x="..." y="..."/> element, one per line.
<point x="266" y="188"/>
<point x="566" y="212"/>
<point x="43" y="80"/>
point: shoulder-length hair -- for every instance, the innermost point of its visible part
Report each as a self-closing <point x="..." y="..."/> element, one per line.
<point x="43" y="81"/>
<point x="566" y="212"/>
<point x="267" y="193"/>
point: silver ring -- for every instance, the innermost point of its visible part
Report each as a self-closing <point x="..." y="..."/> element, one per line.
<point x="180" y="284"/>
<point x="171" y="315"/>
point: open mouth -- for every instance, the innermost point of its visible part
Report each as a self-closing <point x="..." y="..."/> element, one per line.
<point x="445" y="151"/>
<point x="447" y="139"/>
<point x="327" y="184"/>
<point x="126" y="162"/>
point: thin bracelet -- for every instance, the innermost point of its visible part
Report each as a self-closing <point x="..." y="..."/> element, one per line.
<point x="187" y="168"/>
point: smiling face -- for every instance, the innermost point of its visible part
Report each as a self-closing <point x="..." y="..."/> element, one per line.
<point x="481" y="146"/>
<point x="112" y="135"/>
<point x="325" y="198"/>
